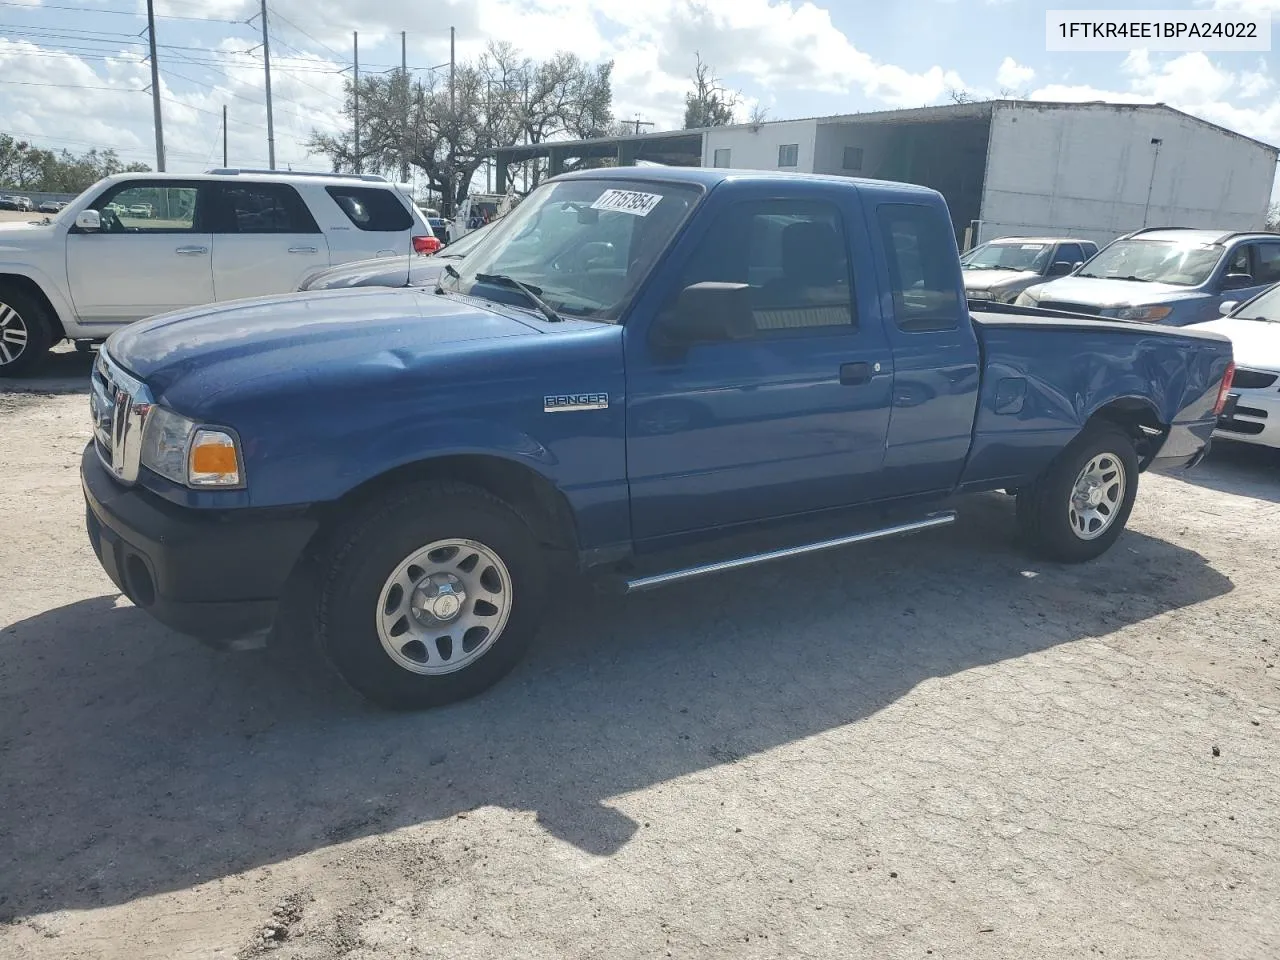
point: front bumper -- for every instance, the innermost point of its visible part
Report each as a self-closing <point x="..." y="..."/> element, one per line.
<point x="1254" y="417"/>
<point x="215" y="575"/>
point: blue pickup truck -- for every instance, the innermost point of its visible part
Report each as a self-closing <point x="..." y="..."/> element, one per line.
<point x="404" y="479"/>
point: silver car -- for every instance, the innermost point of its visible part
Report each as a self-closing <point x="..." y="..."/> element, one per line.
<point x="1001" y="269"/>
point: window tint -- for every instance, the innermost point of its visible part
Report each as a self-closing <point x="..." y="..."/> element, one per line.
<point x="792" y="254"/>
<point x="721" y="158"/>
<point x="263" y="208"/>
<point x="1089" y="249"/>
<point x="142" y="207"/>
<point x="1268" y="268"/>
<point x="372" y="209"/>
<point x="789" y="155"/>
<point x="1238" y="260"/>
<point x="853" y="158"/>
<point x="1070" y="252"/>
<point x="917" y="241"/>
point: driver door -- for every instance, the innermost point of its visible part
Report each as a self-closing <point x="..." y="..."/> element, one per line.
<point x="139" y="264"/>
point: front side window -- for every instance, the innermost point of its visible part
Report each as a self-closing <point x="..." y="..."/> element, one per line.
<point x="142" y="207"/>
<point x="793" y="256"/>
<point x="263" y="208"/>
<point x="1267" y="269"/>
<point x="372" y="209"/>
<point x="789" y="155"/>
<point x="583" y="246"/>
<point x="1008" y="255"/>
<point x="921" y="257"/>
<point x="1070" y="253"/>
<point x="1156" y="261"/>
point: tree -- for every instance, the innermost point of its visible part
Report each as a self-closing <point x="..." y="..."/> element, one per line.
<point x="1273" y="217"/>
<point x="498" y="100"/>
<point x="709" y="103"/>
<point x="27" y="167"/>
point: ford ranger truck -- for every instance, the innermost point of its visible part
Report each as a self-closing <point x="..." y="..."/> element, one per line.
<point x="634" y="364"/>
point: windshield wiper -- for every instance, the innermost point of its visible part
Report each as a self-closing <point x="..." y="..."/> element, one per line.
<point x="502" y="280"/>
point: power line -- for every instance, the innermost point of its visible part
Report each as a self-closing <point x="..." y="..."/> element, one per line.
<point x="118" y="13"/>
<point x="70" y="86"/>
<point x="280" y="16"/>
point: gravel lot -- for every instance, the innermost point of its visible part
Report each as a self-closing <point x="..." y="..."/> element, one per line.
<point x="932" y="747"/>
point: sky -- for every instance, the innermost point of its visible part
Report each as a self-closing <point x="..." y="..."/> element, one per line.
<point x="74" y="74"/>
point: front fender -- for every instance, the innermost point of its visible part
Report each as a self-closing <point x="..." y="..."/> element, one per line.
<point x="51" y="286"/>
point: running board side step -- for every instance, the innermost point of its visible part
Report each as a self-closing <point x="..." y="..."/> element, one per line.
<point x="641" y="584"/>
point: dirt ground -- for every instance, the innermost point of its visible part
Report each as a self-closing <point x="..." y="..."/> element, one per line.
<point x="927" y="748"/>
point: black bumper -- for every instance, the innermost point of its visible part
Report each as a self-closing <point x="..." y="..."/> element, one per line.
<point x="215" y="575"/>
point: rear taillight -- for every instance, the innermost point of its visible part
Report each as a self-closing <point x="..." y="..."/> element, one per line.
<point x="426" y="245"/>
<point x="1224" y="389"/>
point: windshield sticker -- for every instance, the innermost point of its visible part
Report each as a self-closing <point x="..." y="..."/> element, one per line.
<point x="1033" y="246"/>
<point x="628" y="201"/>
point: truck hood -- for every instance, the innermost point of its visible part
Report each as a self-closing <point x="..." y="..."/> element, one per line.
<point x="986" y="279"/>
<point x="19" y="235"/>
<point x="1099" y="292"/>
<point x="1255" y="343"/>
<point x="224" y="347"/>
<point x="402" y="271"/>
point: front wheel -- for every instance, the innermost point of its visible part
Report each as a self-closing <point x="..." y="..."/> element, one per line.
<point x="431" y="596"/>
<point x="26" y="333"/>
<point x="1078" y="508"/>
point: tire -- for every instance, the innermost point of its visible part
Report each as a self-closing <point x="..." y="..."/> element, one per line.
<point x="1069" y="528"/>
<point x="428" y="533"/>
<point x="26" y="332"/>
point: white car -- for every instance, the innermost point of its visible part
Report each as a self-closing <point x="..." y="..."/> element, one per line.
<point x="222" y="235"/>
<point x="1254" y="400"/>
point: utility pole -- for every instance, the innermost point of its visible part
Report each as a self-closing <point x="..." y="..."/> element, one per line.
<point x="641" y="123"/>
<point x="404" y="130"/>
<point x="452" y="35"/>
<point x="355" y="49"/>
<point x="266" y="60"/>
<point x="155" y="86"/>
<point x="1146" y="210"/>
<point x="224" y="135"/>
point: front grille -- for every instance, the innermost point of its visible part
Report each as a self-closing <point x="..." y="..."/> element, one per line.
<point x="1253" y="379"/>
<point x="119" y="404"/>
<point x="1070" y="307"/>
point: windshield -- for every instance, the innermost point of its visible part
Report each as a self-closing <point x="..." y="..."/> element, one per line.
<point x="582" y="246"/>
<point x="1157" y="261"/>
<point x="1008" y="255"/>
<point x="1265" y="306"/>
<point x="464" y="245"/>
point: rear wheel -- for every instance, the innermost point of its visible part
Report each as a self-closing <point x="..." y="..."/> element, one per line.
<point x="26" y="332"/>
<point x="1078" y="508"/>
<point x="430" y="597"/>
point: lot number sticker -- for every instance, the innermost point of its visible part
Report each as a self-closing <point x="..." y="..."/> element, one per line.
<point x="628" y="201"/>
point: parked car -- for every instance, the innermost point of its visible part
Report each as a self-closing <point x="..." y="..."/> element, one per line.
<point x="52" y="206"/>
<point x="1253" y="404"/>
<point x="1001" y="269"/>
<point x="396" y="271"/>
<point x="1170" y="276"/>
<point x="418" y="474"/>
<point x="223" y="235"/>
<point x="140" y="210"/>
<point x="9" y="203"/>
<point x="24" y="203"/>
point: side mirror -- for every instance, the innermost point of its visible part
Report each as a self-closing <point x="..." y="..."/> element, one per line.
<point x="1060" y="268"/>
<point x="90" y="220"/>
<point x="1238" y="281"/>
<point x="709" y="312"/>
<point x="1077" y="265"/>
<point x="1227" y="306"/>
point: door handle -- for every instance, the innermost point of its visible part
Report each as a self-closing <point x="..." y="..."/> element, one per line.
<point x="302" y="249"/>
<point x="191" y="251"/>
<point x="852" y="374"/>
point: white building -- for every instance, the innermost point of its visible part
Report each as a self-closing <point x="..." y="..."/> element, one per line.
<point x="1023" y="168"/>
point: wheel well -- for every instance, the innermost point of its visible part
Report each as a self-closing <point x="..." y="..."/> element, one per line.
<point x="1139" y="420"/>
<point x="32" y="289"/>
<point x="540" y="502"/>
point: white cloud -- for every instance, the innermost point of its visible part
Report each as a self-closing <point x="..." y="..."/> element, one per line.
<point x="1013" y="74"/>
<point x="1190" y="82"/>
<point x="1245" y="6"/>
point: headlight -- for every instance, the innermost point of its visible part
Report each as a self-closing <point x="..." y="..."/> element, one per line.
<point x="1143" y="314"/>
<point x="978" y="294"/>
<point x="190" y="454"/>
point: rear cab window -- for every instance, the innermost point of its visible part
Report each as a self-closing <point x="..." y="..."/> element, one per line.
<point x="369" y="208"/>
<point x="920" y="251"/>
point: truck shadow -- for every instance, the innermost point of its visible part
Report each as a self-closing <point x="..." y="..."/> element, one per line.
<point x="64" y="371"/>
<point x="136" y="762"/>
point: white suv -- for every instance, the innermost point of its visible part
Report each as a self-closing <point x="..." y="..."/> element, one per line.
<point x="140" y="244"/>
